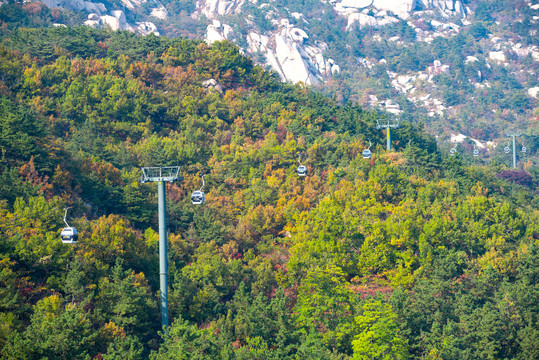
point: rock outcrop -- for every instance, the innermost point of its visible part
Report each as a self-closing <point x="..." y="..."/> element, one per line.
<point x="212" y="85"/>
<point x="213" y="8"/>
<point x="217" y="32"/>
<point x="376" y="13"/>
<point x="76" y="5"/>
<point x="99" y="16"/>
<point x="287" y="51"/>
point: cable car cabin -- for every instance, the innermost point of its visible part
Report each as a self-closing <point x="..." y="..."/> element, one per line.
<point x="476" y="153"/>
<point x="452" y="152"/>
<point x="198" y="197"/>
<point x="69" y="235"/>
<point x="366" y="154"/>
<point x="523" y="149"/>
<point x="506" y="150"/>
<point x="302" y="170"/>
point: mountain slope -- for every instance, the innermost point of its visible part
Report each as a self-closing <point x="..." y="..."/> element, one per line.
<point x="411" y="252"/>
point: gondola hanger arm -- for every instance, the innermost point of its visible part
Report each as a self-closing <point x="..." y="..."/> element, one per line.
<point x="65" y="216"/>
<point x="203" y="182"/>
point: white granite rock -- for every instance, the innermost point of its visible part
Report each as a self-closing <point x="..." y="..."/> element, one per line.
<point x="291" y="62"/>
<point x="218" y="32"/>
<point x="298" y="35"/>
<point x="111" y="21"/>
<point x="119" y="14"/>
<point x="286" y="51"/>
<point x="146" y="28"/>
<point x="362" y="19"/>
<point x="212" y="84"/>
<point x="96" y="24"/>
<point x="98" y="8"/>
<point x="116" y="19"/>
<point x="160" y="12"/>
<point x="401" y="8"/>
<point x="534" y="92"/>
<point x="497" y="56"/>
<point x="133" y="4"/>
<point x="213" y="8"/>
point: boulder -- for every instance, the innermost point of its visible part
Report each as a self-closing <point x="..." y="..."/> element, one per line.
<point x="159" y="12"/>
<point x="534" y="92"/>
<point x="217" y="32"/>
<point x="497" y="56"/>
<point x="362" y="19"/>
<point x="96" y="24"/>
<point x="146" y="28"/>
<point x="111" y="21"/>
<point x="213" y="8"/>
<point x="133" y="4"/>
<point x="119" y="14"/>
<point x="401" y="8"/>
<point x="212" y="84"/>
<point x="97" y="8"/>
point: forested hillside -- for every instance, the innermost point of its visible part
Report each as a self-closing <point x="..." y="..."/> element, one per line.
<point x="410" y="254"/>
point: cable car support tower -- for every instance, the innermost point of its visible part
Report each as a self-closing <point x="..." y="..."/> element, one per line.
<point x="162" y="175"/>
<point x="388" y="125"/>
<point x="514" y="136"/>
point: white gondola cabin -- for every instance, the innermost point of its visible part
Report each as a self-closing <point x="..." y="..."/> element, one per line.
<point x="302" y="170"/>
<point x="506" y="150"/>
<point x="476" y="153"/>
<point x="452" y="152"/>
<point x="198" y="197"/>
<point x="69" y="235"/>
<point x="367" y="153"/>
<point x="523" y="149"/>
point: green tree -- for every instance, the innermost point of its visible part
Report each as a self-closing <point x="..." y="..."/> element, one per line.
<point x="184" y="341"/>
<point x="55" y="332"/>
<point x="379" y="334"/>
<point x="325" y="303"/>
<point x="125" y="298"/>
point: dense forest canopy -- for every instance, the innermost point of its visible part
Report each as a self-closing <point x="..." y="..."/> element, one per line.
<point x="410" y="254"/>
